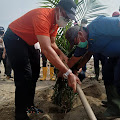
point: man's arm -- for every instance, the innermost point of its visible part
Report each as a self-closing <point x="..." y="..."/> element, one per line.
<point x="85" y="59"/>
<point x="72" y="63"/>
<point x="54" y="59"/>
<point x="73" y="60"/>
<point x="62" y="56"/>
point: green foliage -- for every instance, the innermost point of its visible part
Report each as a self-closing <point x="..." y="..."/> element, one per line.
<point x="61" y="42"/>
<point x="63" y="95"/>
<point x="49" y="3"/>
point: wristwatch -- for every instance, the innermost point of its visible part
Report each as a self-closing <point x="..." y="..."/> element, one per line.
<point x="65" y="75"/>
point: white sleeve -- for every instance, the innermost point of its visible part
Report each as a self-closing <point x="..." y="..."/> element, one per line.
<point x="37" y="45"/>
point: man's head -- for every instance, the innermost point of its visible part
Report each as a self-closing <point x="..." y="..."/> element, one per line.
<point x="2" y="31"/>
<point x="76" y="36"/>
<point x="115" y="14"/>
<point x="65" y="11"/>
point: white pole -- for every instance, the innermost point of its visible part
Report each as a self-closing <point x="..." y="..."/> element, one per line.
<point x="85" y="103"/>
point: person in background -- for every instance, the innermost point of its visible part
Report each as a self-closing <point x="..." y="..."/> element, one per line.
<point x="116" y="14"/>
<point x="8" y="68"/>
<point x="2" y="48"/>
<point x="45" y="68"/>
<point x="38" y="25"/>
<point x="3" y="56"/>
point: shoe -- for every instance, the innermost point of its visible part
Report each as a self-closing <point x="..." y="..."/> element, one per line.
<point x="111" y="113"/>
<point x="105" y="103"/>
<point x="8" y="77"/>
<point x="44" y="74"/>
<point x="52" y="73"/>
<point x="33" y="109"/>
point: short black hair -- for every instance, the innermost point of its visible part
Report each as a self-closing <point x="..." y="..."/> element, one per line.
<point x="71" y="33"/>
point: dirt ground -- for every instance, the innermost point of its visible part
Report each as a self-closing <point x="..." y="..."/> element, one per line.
<point x="94" y="91"/>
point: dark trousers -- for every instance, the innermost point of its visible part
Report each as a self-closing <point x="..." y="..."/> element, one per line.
<point x="25" y="63"/>
<point x="8" y="67"/>
<point x="97" y="58"/>
<point x="6" y="62"/>
<point x="34" y="56"/>
<point x="1" y="59"/>
<point x="111" y="73"/>
<point x="44" y="61"/>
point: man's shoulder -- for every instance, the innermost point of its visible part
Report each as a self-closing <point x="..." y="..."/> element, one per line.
<point x="45" y="10"/>
<point x="80" y="51"/>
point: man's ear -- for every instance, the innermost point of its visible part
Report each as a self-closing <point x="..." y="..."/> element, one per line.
<point x="80" y="34"/>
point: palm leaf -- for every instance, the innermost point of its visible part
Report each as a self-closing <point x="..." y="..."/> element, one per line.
<point x="89" y="9"/>
<point x="49" y="3"/>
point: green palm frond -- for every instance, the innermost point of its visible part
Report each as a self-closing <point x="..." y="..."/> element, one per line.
<point x="89" y="9"/>
<point x="49" y="3"/>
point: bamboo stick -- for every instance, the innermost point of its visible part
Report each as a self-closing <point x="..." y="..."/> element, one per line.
<point x="85" y="103"/>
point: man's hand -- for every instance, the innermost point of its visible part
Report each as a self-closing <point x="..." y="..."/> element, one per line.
<point x="73" y="80"/>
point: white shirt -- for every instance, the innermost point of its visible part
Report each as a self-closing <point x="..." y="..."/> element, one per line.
<point x="37" y="46"/>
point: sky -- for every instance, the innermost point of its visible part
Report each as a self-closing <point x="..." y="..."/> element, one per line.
<point x="13" y="9"/>
<point x="113" y="5"/>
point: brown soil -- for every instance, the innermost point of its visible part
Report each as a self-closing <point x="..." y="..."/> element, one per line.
<point x="94" y="91"/>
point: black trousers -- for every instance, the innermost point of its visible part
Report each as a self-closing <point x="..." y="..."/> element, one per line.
<point x="44" y="61"/>
<point x="111" y="72"/>
<point x="8" y="67"/>
<point x="25" y="62"/>
<point x="99" y="57"/>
